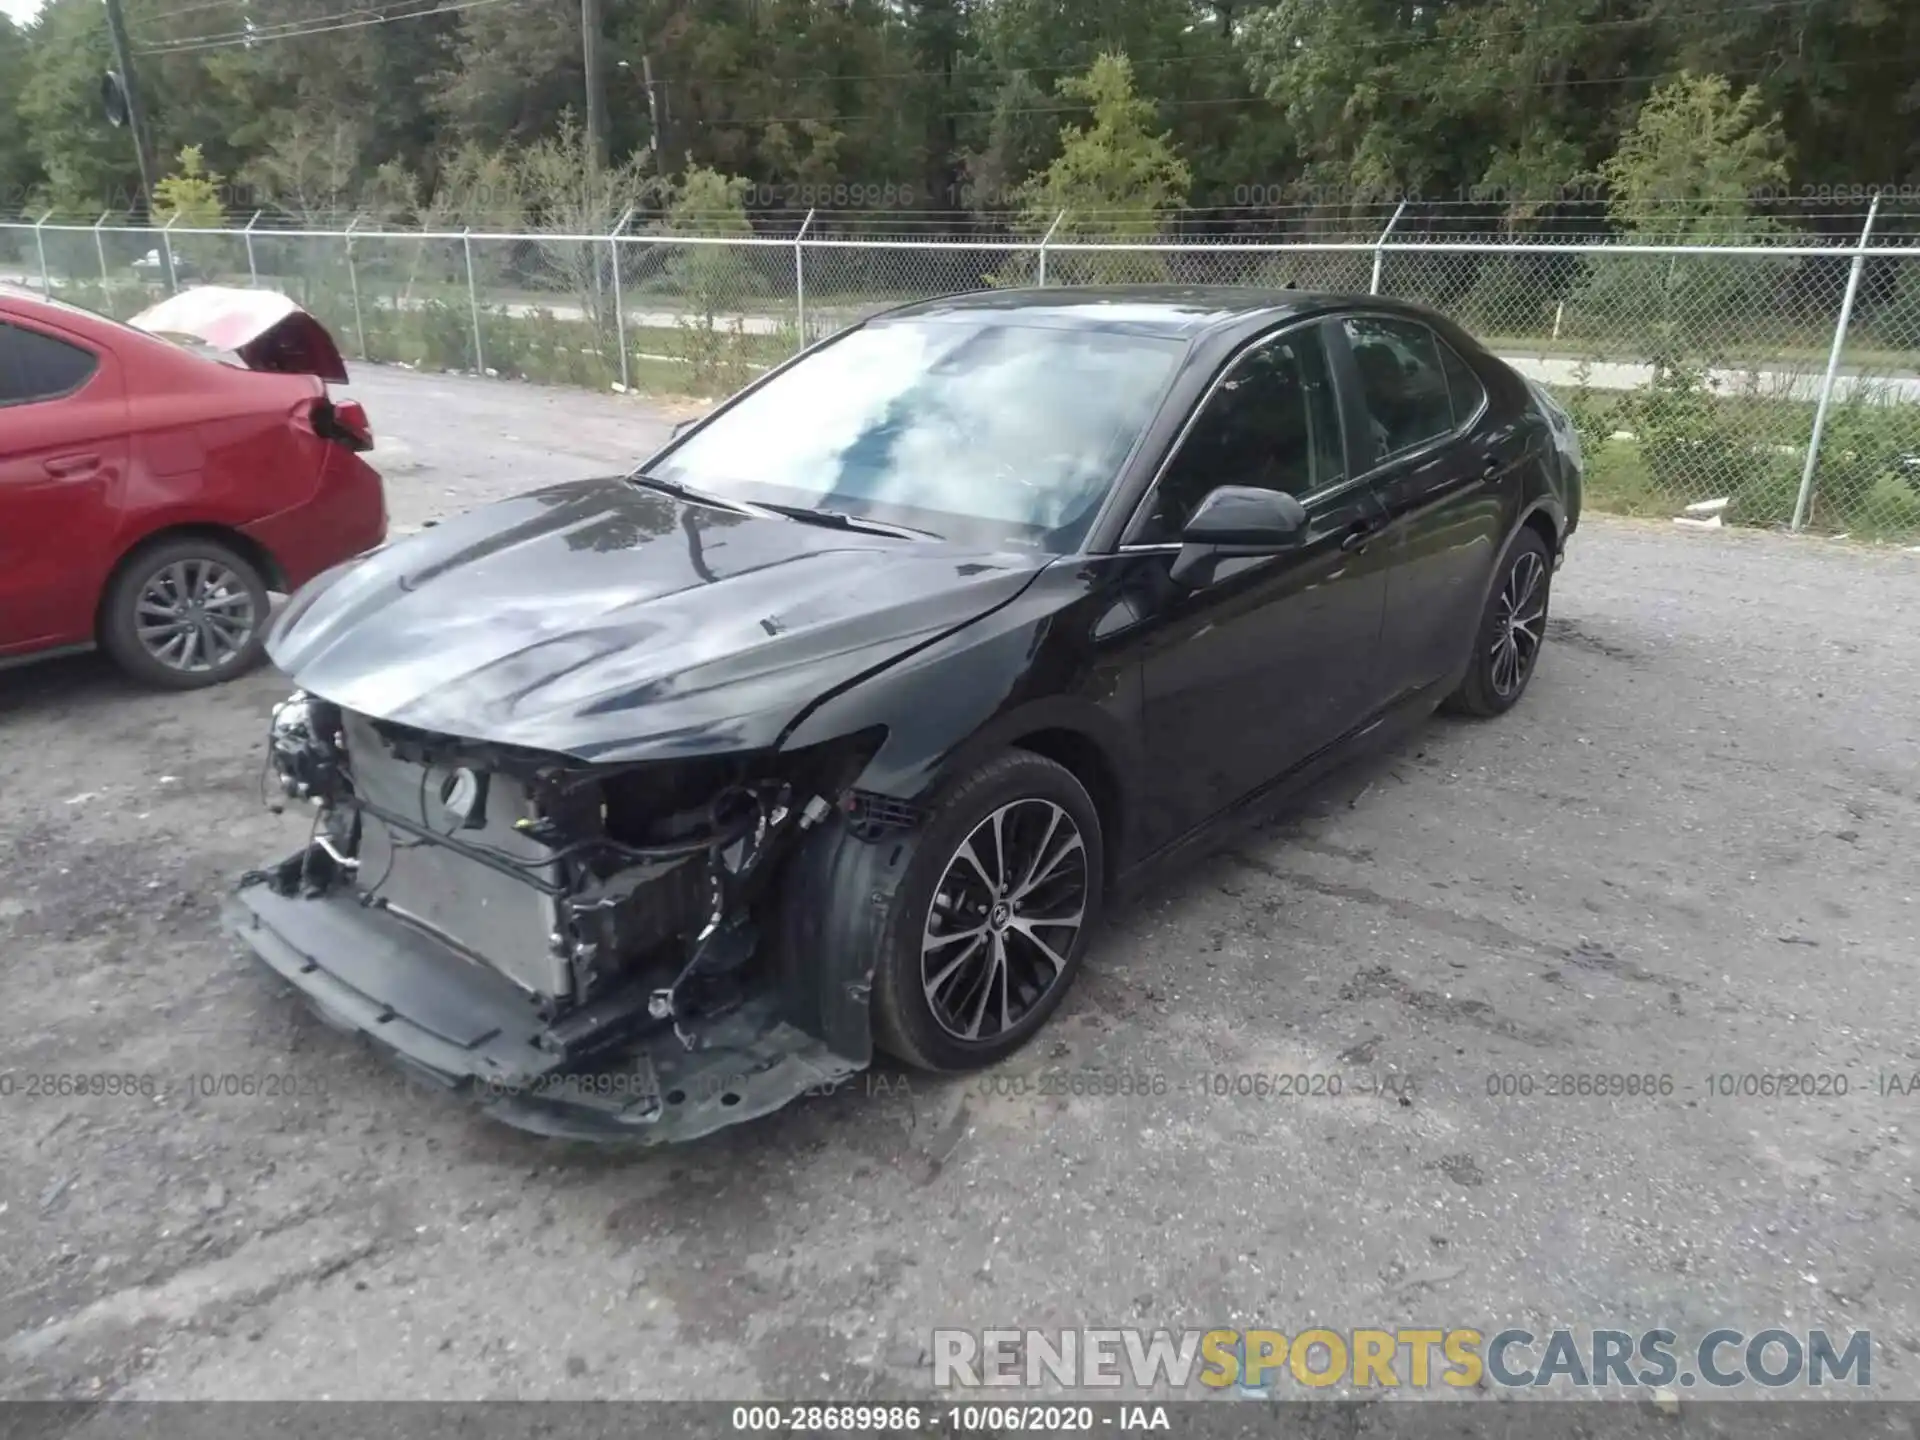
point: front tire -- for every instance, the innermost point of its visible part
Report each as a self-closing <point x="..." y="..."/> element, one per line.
<point x="1513" y="626"/>
<point x="185" y="614"/>
<point x="988" y="928"/>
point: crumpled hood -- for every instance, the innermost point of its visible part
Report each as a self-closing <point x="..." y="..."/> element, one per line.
<point x="609" y="622"/>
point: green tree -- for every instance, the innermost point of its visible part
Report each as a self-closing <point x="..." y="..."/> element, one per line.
<point x="89" y="166"/>
<point x="511" y="70"/>
<point x="1694" y="159"/>
<point x="866" y="105"/>
<point x="711" y="282"/>
<point x="310" y="171"/>
<point x="1184" y="63"/>
<point x="191" y="195"/>
<point x="20" y="173"/>
<point x="1686" y="171"/>
<point x="1114" y="177"/>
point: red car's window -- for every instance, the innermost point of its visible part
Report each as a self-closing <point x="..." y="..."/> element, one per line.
<point x="34" y="366"/>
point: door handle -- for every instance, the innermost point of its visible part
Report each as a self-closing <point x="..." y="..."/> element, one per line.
<point x="1361" y="535"/>
<point x="1492" y="467"/>
<point x="61" y="466"/>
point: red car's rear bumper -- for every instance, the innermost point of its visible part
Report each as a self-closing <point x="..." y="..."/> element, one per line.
<point x="345" y="517"/>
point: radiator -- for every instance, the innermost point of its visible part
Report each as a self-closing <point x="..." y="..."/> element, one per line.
<point x="494" y="918"/>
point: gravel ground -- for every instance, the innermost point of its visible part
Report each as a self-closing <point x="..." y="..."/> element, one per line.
<point x="1688" y="853"/>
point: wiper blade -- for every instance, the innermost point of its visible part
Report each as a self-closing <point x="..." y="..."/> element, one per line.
<point x="687" y="492"/>
<point x="840" y="520"/>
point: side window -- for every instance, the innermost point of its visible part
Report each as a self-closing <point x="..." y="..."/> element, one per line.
<point x="1462" y="384"/>
<point x="1402" y="384"/>
<point x="38" y="367"/>
<point x="1272" y="423"/>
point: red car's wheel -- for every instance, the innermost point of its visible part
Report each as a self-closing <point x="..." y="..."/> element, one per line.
<point x="185" y="613"/>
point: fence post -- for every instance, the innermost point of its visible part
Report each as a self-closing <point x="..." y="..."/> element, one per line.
<point x="473" y="303"/>
<point x="100" y="251"/>
<point x="800" y="284"/>
<point x="1380" y="247"/>
<point x="1804" y="500"/>
<point x="253" y="273"/>
<point x="619" y="306"/>
<point x="353" y="284"/>
<point x="40" y="245"/>
<point x="1041" y="278"/>
<point x="166" y="245"/>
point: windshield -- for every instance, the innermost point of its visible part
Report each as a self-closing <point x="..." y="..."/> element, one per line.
<point x="975" y="428"/>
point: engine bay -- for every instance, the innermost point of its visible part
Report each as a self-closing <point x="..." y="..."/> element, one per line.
<point x="621" y="905"/>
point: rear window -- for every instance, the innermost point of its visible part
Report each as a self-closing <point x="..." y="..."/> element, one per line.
<point x="1403" y="383"/>
<point x="34" y="366"/>
<point x="1465" y="387"/>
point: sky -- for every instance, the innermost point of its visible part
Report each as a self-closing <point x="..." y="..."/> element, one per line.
<point x="21" y="10"/>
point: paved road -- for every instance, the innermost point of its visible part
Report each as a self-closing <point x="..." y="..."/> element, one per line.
<point x="1689" y="852"/>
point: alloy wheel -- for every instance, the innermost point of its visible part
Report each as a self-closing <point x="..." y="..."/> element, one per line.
<point x="1004" y="919"/>
<point x="1520" y="617"/>
<point x="194" y="615"/>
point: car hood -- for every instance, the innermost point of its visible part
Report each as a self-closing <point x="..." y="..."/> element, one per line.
<point x="605" y="621"/>
<point x="264" y="328"/>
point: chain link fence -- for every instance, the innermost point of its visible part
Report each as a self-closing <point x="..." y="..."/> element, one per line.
<point x="1773" y="385"/>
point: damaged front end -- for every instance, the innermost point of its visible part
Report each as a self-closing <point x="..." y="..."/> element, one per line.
<point x="593" y="951"/>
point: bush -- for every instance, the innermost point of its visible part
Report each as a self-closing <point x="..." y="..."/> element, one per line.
<point x="1595" y="414"/>
<point x="445" y="335"/>
<point x="1695" y="447"/>
<point x="716" y="354"/>
<point x="1866" y="476"/>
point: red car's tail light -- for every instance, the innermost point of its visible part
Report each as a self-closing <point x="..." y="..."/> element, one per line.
<point x="352" y="418"/>
<point x="345" y="422"/>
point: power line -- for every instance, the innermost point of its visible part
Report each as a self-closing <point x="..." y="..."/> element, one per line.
<point x="294" y="30"/>
<point x="251" y="31"/>
<point x="191" y="10"/>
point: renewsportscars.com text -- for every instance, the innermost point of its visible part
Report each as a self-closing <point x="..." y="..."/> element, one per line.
<point x="1267" y="1361"/>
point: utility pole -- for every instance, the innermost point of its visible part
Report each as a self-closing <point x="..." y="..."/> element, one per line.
<point x="136" y="117"/>
<point x="653" y="110"/>
<point x="596" y="81"/>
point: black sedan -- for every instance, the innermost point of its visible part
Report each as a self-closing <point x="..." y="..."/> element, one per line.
<point x="647" y="804"/>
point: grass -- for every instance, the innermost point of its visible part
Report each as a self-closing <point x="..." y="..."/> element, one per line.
<point x="1886" y="507"/>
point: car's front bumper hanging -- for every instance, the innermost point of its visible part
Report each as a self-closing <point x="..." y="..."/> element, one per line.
<point x="467" y="1028"/>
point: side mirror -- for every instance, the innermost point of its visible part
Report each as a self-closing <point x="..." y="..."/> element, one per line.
<point x="1233" y="521"/>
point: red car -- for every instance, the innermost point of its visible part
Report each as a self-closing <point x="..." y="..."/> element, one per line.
<point x="151" y="497"/>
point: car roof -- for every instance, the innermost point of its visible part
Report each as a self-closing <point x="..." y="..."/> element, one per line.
<point x="1175" y="311"/>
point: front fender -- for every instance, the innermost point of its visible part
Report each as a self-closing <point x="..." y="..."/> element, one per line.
<point x="1030" y="666"/>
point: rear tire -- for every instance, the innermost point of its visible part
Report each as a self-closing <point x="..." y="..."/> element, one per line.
<point x="1512" y="628"/>
<point x="987" y="929"/>
<point x="185" y="613"/>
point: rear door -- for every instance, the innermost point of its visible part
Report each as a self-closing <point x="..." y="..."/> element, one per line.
<point x="1432" y="452"/>
<point x="63" y="460"/>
